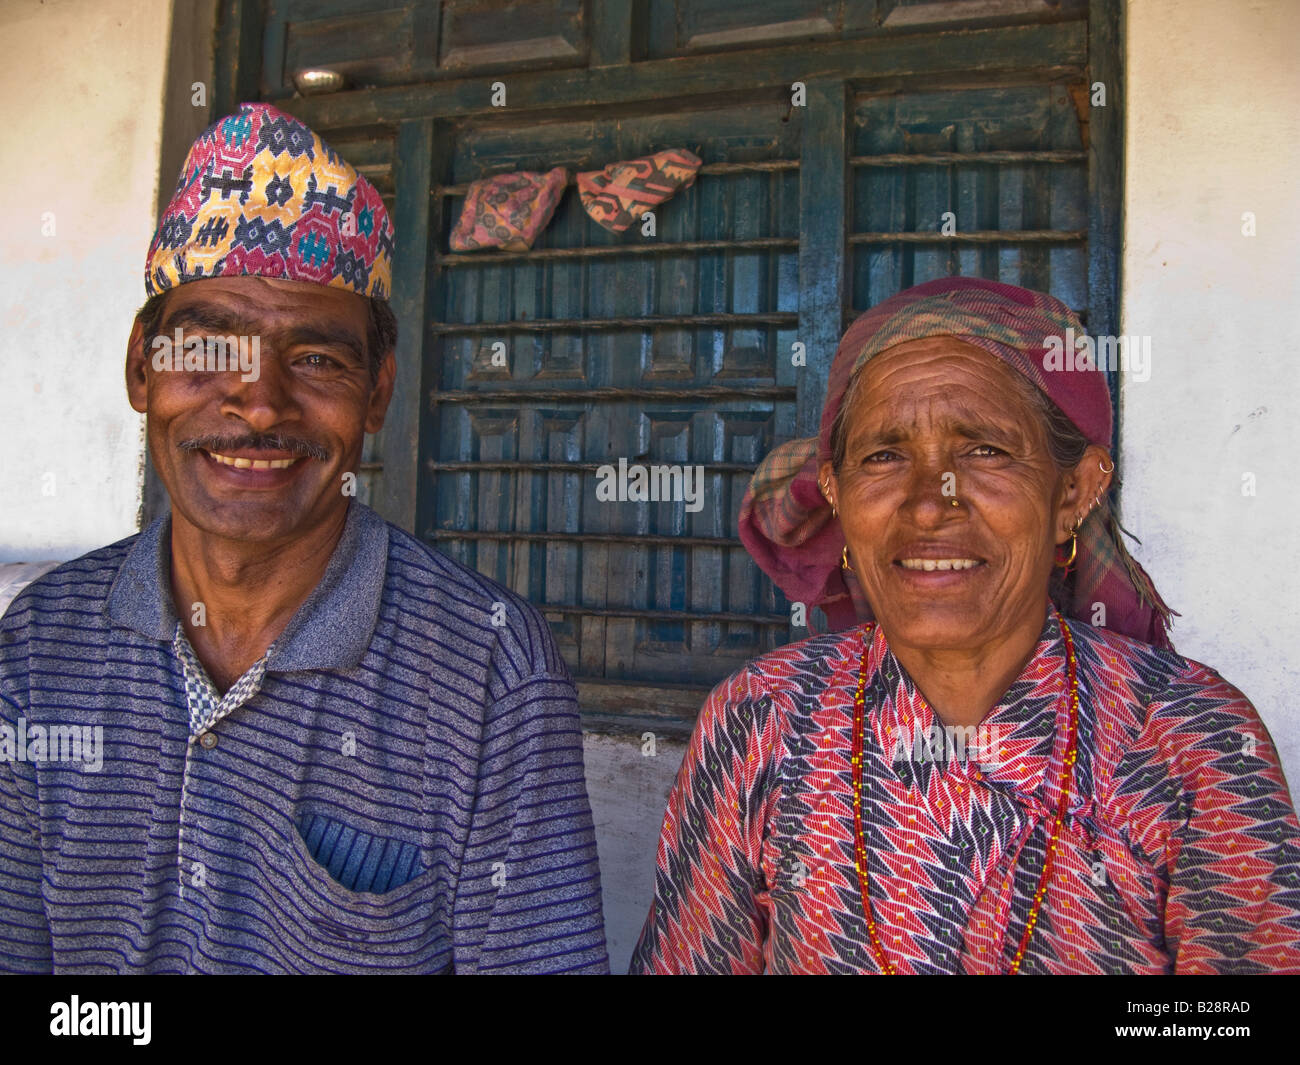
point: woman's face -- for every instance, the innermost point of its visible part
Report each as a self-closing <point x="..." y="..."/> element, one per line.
<point x="938" y="420"/>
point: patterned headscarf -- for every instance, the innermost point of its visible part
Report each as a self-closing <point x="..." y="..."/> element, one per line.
<point x="788" y="526"/>
<point x="261" y="194"/>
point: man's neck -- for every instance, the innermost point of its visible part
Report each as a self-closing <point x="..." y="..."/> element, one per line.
<point x="962" y="685"/>
<point x="235" y="597"/>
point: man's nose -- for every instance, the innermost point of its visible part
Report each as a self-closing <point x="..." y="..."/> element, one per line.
<point x="263" y="401"/>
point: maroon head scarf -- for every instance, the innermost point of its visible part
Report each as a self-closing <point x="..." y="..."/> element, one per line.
<point x="789" y="529"/>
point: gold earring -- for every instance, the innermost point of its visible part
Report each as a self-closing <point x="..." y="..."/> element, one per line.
<point x="1104" y="470"/>
<point x="1074" y="550"/>
<point x="844" y="559"/>
<point x="954" y="502"/>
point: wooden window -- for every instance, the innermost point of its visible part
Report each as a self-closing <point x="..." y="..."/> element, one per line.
<point x="676" y="349"/>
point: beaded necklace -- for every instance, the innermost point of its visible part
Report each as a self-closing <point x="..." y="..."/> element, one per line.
<point x="860" y="846"/>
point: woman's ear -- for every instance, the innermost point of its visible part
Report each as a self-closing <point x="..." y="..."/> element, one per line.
<point x="826" y="482"/>
<point x="1084" y="487"/>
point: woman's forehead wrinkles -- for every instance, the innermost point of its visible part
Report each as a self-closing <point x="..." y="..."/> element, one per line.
<point x="902" y="418"/>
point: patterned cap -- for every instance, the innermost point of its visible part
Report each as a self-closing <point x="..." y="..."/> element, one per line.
<point x="261" y="194"/>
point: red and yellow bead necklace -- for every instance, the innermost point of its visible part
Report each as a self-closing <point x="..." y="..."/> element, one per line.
<point x="860" y="846"/>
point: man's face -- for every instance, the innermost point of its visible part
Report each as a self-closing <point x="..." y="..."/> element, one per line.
<point x="261" y="460"/>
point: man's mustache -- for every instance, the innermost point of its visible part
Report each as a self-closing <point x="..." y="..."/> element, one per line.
<point x="294" y="445"/>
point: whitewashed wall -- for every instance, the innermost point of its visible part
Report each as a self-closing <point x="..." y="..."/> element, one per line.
<point x="82" y="91"/>
<point x="1213" y="132"/>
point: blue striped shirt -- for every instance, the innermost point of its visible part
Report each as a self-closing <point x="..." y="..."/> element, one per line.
<point x="403" y="792"/>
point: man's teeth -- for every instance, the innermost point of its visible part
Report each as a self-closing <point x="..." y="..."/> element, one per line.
<point x="253" y="464"/>
<point x="932" y="564"/>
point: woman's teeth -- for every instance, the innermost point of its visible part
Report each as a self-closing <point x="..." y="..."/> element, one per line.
<point x="931" y="564"/>
<point x="253" y="464"/>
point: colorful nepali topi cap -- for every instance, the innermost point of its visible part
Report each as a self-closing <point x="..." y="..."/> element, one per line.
<point x="261" y="194"/>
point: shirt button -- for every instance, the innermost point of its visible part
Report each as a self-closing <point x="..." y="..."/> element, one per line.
<point x="208" y="740"/>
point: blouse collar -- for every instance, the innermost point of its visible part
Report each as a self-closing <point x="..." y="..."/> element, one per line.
<point x="1013" y="747"/>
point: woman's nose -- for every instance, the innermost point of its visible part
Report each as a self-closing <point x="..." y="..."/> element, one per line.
<point x="930" y="489"/>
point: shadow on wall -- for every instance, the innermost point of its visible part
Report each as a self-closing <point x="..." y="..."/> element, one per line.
<point x="15" y="576"/>
<point x="628" y="790"/>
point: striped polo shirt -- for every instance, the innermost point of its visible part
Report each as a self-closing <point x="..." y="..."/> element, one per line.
<point x="397" y="786"/>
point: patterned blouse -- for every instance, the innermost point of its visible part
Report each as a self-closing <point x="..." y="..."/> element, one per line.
<point x="1179" y="851"/>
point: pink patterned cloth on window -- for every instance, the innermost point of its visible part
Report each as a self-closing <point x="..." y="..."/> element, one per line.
<point x="509" y="210"/>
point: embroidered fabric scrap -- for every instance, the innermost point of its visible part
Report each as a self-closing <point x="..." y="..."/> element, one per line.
<point x="621" y="193"/>
<point x="509" y="210"/>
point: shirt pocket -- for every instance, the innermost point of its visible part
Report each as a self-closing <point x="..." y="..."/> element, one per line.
<point x="359" y="861"/>
<point x="338" y="929"/>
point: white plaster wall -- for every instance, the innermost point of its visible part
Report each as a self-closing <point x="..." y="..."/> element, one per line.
<point x="628" y="790"/>
<point x="1212" y="132"/>
<point x="81" y="88"/>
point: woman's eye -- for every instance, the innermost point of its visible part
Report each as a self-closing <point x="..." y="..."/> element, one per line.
<point x="878" y="457"/>
<point x="987" y="449"/>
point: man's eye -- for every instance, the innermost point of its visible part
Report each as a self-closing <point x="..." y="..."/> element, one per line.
<point x="319" y="360"/>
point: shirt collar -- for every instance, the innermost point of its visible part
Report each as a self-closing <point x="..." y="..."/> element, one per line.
<point x="1021" y="737"/>
<point x="330" y="630"/>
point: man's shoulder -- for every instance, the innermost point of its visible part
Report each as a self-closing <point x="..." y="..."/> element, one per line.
<point x="71" y="591"/>
<point x="443" y="591"/>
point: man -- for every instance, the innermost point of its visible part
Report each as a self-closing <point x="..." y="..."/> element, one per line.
<point x="325" y="746"/>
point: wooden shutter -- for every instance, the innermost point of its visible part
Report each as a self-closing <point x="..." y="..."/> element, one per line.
<point x="676" y="349"/>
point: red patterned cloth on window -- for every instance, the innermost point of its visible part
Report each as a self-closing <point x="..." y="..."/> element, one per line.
<point x="621" y="193"/>
<point x="1180" y="851"/>
<point x="509" y="210"/>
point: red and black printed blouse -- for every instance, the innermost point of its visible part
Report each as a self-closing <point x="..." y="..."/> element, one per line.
<point x="1180" y="850"/>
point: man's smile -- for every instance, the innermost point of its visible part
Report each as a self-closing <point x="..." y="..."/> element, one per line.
<point x="244" y="462"/>
<point x="250" y="468"/>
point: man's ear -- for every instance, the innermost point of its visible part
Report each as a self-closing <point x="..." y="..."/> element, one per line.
<point x="382" y="393"/>
<point x="137" y="384"/>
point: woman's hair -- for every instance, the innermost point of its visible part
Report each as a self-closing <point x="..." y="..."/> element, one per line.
<point x="1065" y="444"/>
<point x="381" y="328"/>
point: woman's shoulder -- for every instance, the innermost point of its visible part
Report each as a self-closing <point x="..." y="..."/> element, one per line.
<point x="807" y="665"/>
<point x="1180" y="752"/>
<point x="1158" y="681"/>
<point x="787" y="680"/>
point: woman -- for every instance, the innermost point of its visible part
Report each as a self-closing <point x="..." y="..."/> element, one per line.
<point x="1000" y="766"/>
